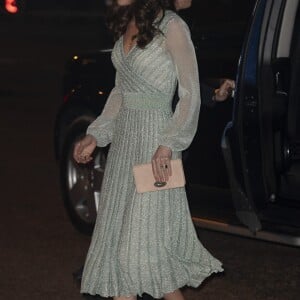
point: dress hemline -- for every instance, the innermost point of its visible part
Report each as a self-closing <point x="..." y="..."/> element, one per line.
<point x="190" y="283"/>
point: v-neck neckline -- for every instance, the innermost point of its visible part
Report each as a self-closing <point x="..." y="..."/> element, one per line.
<point x="123" y="47"/>
<point x="135" y="44"/>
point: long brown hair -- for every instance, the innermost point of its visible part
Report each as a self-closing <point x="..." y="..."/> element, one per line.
<point x="144" y="11"/>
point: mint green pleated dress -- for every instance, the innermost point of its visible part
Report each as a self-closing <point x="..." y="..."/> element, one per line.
<point x="147" y="243"/>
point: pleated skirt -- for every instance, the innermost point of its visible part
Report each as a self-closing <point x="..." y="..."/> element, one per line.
<point x="142" y="243"/>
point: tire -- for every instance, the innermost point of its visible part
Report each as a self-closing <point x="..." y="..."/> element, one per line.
<point x="81" y="183"/>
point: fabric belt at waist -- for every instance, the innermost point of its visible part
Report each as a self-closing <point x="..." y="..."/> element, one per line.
<point x="147" y="101"/>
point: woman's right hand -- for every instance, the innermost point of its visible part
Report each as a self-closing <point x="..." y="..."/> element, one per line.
<point x="84" y="148"/>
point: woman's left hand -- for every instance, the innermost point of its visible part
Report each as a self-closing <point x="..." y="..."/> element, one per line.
<point x="161" y="166"/>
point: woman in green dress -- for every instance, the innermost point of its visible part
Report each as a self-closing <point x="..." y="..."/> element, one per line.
<point x="145" y="242"/>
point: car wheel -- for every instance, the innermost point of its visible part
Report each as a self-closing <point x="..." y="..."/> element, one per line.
<point x="81" y="183"/>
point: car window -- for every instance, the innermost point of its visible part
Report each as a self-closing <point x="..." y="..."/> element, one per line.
<point x="293" y="120"/>
<point x="286" y="29"/>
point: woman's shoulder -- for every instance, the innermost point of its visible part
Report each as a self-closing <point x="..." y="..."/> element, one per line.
<point x="169" y="18"/>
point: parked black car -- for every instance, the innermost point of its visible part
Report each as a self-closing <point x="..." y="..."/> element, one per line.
<point x="243" y="167"/>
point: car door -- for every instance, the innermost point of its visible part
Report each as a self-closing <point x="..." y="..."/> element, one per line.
<point x="252" y="142"/>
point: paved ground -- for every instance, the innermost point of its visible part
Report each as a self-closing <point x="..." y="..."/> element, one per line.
<point x="39" y="247"/>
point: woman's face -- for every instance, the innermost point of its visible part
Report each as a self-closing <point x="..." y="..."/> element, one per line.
<point x="124" y="2"/>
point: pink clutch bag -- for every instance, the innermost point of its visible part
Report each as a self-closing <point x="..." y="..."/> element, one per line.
<point x="145" y="182"/>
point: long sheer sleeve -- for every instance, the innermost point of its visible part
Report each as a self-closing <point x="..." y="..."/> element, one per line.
<point x="103" y="126"/>
<point x="181" y="128"/>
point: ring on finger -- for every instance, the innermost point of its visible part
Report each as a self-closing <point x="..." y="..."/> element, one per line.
<point x="164" y="166"/>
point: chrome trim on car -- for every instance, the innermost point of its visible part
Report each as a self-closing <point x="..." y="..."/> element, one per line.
<point x="243" y="231"/>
